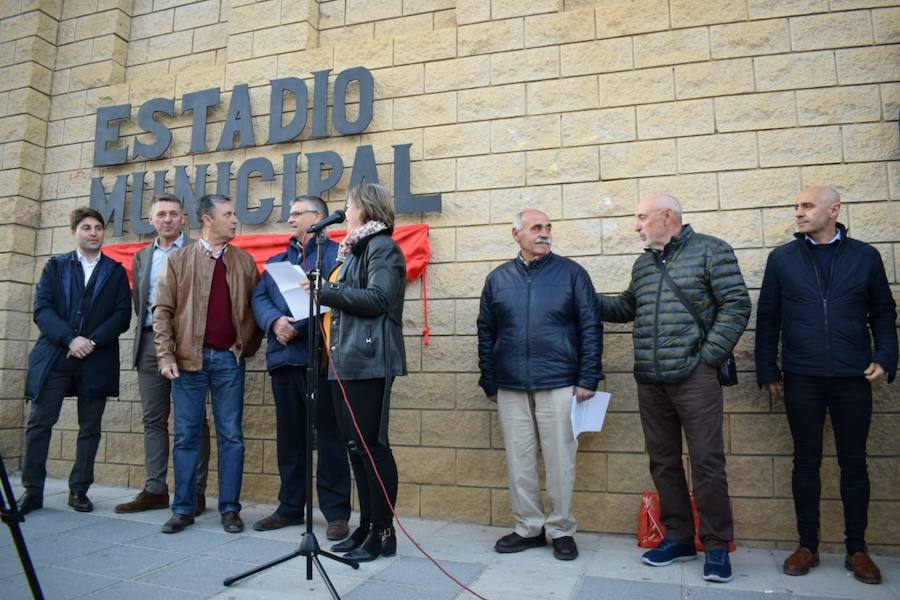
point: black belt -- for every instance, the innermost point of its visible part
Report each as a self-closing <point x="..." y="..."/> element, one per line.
<point x="148" y="328"/>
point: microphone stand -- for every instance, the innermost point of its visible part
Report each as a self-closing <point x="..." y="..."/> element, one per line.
<point x="309" y="546"/>
<point x="11" y="517"/>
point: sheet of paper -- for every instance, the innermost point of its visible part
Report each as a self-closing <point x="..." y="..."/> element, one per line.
<point x="590" y="414"/>
<point x="289" y="277"/>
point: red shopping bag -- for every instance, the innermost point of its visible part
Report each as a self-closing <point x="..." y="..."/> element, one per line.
<point x="651" y="530"/>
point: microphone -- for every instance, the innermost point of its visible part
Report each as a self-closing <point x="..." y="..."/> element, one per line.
<point x="337" y="216"/>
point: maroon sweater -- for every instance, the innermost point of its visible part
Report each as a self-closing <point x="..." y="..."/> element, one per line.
<point x="220" y="333"/>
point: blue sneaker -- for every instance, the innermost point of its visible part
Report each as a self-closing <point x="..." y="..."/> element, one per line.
<point x="667" y="552"/>
<point x="717" y="567"/>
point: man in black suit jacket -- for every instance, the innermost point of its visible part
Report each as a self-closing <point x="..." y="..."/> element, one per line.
<point x="81" y="307"/>
<point x="167" y="218"/>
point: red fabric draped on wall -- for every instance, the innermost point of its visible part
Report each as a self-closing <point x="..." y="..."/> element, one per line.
<point x="412" y="239"/>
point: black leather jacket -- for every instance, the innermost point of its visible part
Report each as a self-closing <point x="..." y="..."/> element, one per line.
<point x="539" y="327"/>
<point x="367" y="311"/>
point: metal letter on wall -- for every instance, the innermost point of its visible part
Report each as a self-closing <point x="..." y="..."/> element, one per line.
<point x="137" y="223"/>
<point x="242" y="202"/>
<point x="163" y="136"/>
<point x="364" y="166"/>
<point x="278" y="131"/>
<point x="199" y="102"/>
<point x="288" y="183"/>
<point x="190" y="195"/>
<point x="366" y="100"/>
<point x="320" y="103"/>
<point x="159" y="182"/>
<point x="105" y="135"/>
<point x="239" y="120"/>
<point x="112" y="207"/>
<point x="316" y="185"/>
<point x="404" y="201"/>
<point x="223" y="178"/>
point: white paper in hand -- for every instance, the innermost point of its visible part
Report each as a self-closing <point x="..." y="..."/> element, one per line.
<point x="590" y="414"/>
<point x="289" y="277"/>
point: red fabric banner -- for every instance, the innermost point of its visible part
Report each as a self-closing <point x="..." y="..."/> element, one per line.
<point x="412" y="239"/>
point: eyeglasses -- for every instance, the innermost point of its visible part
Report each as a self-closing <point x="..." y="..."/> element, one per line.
<point x="300" y="213"/>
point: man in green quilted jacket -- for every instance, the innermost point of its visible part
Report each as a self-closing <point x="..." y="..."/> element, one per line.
<point x="675" y="365"/>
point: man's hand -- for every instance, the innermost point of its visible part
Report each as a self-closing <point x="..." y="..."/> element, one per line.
<point x="283" y="329"/>
<point x="776" y="391"/>
<point x="582" y="394"/>
<point x="80" y="347"/>
<point x="874" y="371"/>
<point x="493" y="398"/>
<point x="170" y="372"/>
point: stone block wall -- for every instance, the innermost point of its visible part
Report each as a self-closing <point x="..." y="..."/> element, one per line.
<point x="578" y="107"/>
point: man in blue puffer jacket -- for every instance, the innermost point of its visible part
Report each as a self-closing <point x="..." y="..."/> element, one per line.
<point x="540" y="339"/>
<point x="286" y="361"/>
<point x="823" y="293"/>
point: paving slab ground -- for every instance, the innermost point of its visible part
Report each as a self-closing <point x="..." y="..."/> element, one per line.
<point x="103" y="555"/>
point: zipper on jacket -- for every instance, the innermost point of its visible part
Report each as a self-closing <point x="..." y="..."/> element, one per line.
<point x="824" y="293"/>
<point x="656" y="321"/>
<point x="528" y="329"/>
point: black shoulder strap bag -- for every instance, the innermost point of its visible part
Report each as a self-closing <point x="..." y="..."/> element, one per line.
<point x="727" y="370"/>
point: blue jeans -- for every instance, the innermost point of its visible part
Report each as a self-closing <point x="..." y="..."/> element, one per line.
<point x="223" y="376"/>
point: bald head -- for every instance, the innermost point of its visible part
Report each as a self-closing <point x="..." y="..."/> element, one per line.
<point x="821" y="193"/>
<point x="658" y="220"/>
<point x="816" y="213"/>
<point x="662" y="202"/>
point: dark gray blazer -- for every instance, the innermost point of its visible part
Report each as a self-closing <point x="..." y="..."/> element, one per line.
<point x="140" y="271"/>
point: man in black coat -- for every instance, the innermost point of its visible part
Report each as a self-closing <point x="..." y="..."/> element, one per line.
<point x="539" y="344"/>
<point x="823" y="293"/>
<point x="81" y="306"/>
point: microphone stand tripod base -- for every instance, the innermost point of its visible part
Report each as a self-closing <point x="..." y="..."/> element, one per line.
<point x="309" y="546"/>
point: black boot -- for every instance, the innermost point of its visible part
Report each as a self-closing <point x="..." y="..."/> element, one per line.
<point x="381" y="542"/>
<point x="355" y="540"/>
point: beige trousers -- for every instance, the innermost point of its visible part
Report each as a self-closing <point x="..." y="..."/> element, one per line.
<point x="519" y="411"/>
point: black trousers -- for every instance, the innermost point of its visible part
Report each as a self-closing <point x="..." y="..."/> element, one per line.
<point x="849" y="402"/>
<point x="65" y="376"/>
<point x="366" y="399"/>
<point x="332" y="470"/>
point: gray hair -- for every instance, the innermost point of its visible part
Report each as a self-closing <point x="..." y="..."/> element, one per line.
<point x="517" y="221"/>
<point x="374" y="202"/>
<point x="518" y="218"/>
<point x="166" y="197"/>
<point x="316" y="202"/>
<point x="207" y="205"/>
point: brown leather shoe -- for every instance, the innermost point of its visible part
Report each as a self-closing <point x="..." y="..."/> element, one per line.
<point x="337" y="529"/>
<point x="144" y="501"/>
<point x="201" y="505"/>
<point x="800" y="562"/>
<point x="863" y="568"/>
<point x="276" y="521"/>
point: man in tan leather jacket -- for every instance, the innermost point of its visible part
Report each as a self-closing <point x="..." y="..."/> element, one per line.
<point x="204" y="328"/>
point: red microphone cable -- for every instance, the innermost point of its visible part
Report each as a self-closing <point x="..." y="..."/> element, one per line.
<point x="378" y="475"/>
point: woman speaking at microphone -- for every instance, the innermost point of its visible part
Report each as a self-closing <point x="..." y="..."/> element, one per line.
<point x="365" y="339"/>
